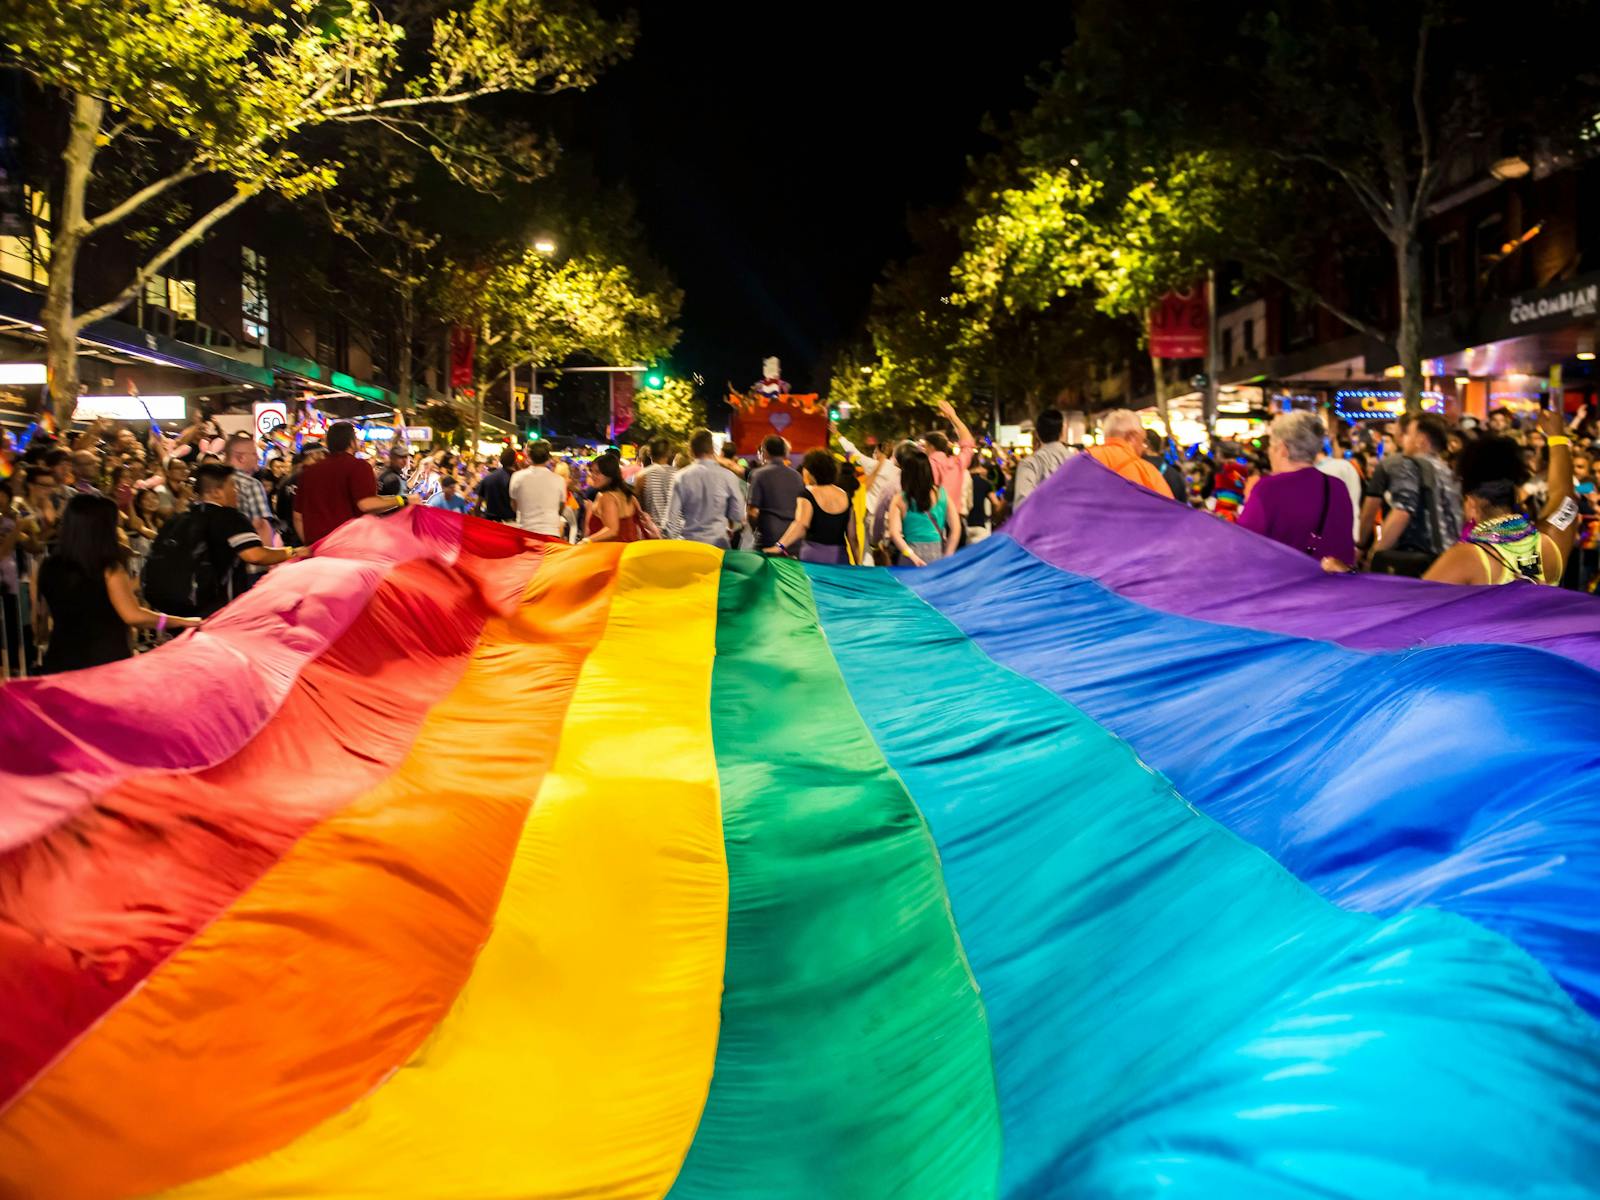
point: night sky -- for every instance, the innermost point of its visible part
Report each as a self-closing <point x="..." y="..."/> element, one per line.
<point x="775" y="152"/>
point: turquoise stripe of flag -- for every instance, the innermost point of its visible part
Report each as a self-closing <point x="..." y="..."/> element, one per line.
<point x="1170" y="1010"/>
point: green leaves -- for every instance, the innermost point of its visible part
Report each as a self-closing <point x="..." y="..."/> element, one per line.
<point x="1061" y="231"/>
<point x="542" y="311"/>
<point x="672" y="410"/>
<point x="241" y="86"/>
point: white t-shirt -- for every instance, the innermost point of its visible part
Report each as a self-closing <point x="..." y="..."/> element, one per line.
<point x="1342" y="470"/>
<point x="886" y="484"/>
<point x="538" y="494"/>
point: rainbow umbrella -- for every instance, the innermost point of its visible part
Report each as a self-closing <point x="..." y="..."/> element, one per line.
<point x="1126" y="854"/>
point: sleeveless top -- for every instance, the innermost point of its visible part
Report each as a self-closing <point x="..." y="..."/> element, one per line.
<point x="925" y="527"/>
<point x="627" y="527"/>
<point x="85" y="630"/>
<point x="826" y="528"/>
<point x="1514" y="544"/>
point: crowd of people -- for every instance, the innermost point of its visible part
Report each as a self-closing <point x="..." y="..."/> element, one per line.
<point x="1419" y="495"/>
<point x="109" y="543"/>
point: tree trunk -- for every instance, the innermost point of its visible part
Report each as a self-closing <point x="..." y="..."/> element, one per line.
<point x="61" y="353"/>
<point x="403" y="368"/>
<point x="60" y="324"/>
<point x="478" y="384"/>
<point x="1161" y="393"/>
<point x="1408" y="272"/>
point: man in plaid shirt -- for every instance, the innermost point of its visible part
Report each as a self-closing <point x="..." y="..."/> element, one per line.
<point x="244" y="459"/>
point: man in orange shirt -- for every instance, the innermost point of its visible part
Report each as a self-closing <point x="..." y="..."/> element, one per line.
<point x="1123" y="451"/>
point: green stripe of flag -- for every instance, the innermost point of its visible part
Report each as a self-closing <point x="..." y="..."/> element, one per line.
<point x="854" y="1055"/>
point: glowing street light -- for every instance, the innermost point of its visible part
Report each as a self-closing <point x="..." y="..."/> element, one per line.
<point x="545" y="245"/>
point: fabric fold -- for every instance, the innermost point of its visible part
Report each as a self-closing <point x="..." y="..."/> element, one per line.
<point x="854" y="1056"/>
<point x="1087" y="520"/>
<point x="1457" y="777"/>
<point x="1174" y="1012"/>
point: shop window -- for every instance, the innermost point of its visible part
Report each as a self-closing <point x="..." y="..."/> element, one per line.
<point x="1487" y="239"/>
<point x="175" y="292"/>
<point x="25" y="254"/>
<point x="1442" y="279"/>
<point x="257" y="311"/>
<point x="180" y="298"/>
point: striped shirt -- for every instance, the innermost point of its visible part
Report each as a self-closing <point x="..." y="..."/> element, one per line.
<point x="253" y="504"/>
<point x="654" y="486"/>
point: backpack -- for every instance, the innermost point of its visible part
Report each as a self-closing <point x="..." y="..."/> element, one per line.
<point x="178" y="576"/>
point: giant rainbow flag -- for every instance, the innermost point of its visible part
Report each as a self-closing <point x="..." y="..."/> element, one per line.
<point x="1125" y="855"/>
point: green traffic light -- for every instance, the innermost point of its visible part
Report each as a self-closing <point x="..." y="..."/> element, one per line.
<point x="833" y="414"/>
<point x="654" y="379"/>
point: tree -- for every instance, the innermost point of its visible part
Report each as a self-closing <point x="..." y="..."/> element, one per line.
<point x="397" y="246"/>
<point x="929" y="341"/>
<point x="672" y="410"/>
<point x="526" y="308"/>
<point x="1065" y="240"/>
<point x="238" y="93"/>
<point x="1383" y="99"/>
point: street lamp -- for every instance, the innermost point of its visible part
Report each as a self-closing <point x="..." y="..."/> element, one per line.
<point x="545" y="245"/>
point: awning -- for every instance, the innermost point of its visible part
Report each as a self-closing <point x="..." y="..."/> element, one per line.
<point x="305" y="372"/>
<point x="126" y="344"/>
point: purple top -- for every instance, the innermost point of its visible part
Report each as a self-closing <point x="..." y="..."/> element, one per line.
<point x="1155" y="551"/>
<point x="1287" y="508"/>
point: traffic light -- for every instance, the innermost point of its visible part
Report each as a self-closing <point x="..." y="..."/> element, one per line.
<point x="654" y="378"/>
<point x="833" y="412"/>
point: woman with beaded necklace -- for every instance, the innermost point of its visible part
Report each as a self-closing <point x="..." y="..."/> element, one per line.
<point x="1501" y="544"/>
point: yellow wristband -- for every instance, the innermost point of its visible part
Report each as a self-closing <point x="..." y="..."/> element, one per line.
<point x="1558" y="439"/>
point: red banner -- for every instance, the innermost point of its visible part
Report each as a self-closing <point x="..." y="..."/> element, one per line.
<point x="462" y="344"/>
<point x="622" y="392"/>
<point x="1178" y="324"/>
<point x="798" y="419"/>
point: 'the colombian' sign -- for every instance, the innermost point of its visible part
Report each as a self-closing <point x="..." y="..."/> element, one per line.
<point x="1576" y="300"/>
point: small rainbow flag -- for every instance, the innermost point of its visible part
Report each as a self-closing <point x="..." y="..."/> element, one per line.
<point x="1122" y="854"/>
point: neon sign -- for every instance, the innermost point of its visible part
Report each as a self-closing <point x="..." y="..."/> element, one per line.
<point x="1367" y="404"/>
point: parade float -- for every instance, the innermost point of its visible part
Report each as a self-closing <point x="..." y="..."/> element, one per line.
<point x="768" y="407"/>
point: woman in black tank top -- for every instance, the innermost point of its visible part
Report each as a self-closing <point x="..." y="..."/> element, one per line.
<point x="817" y="535"/>
<point x="87" y="593"/>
